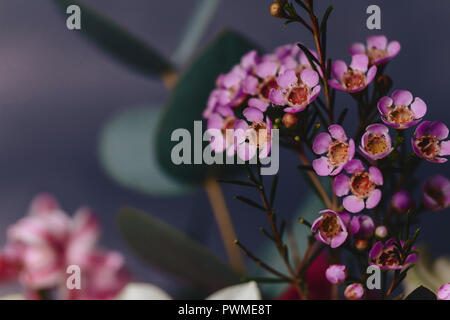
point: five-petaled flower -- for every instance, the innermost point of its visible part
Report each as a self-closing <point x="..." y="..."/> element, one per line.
<point x="296" y="92"/>
<point x="338" y="148"/>
<point x="362" y="184"/>
<point x="376" y="142"/>
<point x="401" y="110"/>
<point x="330" y="228"/>
<point x="427" y="142"/>
<point x="377" y="49"/>
<point x="387" y="256"/>
<point x="254" y="138"/>
<point x="353" y="78"/>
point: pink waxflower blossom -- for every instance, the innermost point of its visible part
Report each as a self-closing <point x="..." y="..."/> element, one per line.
<point x="354" y="291"/>
<point x="338" y="148"/>
<point x="254" y="138"/>
<point x="376" y="142"/>
<point x="336" y="273"/>
<point x="384" y="256"/>
<point x="296" y="92"/>
<point x="436" y="193"/>
<point x="444" y="292"/>
<point x="402" y="201"/>
<point x="221" y="129"/>
<point x="401" y="110"/>
<point x="330" y="228"/>
<point x="353" y="78"/>
<point x="362" y="184"/>
<point x="44" y="243"/>
<point x="377" y="49"/>
<point x="427" y="142"/>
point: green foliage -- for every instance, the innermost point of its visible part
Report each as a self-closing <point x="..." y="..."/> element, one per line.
<point x="126" y="152"/>
<point x="172" y="251"/>
<point x="118" y="42"/>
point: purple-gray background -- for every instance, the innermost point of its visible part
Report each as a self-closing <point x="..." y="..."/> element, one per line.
<point x="56" y="91"/>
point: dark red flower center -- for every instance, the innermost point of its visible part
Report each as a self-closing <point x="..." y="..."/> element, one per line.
<point x="338" y="153"/>
<point x="376" y="54"/>
<point x="298" y="96"/>
<point x="428" y="146"/>
<point x="353" y="79"/>
<point x="330" y="225"/>
<point x="400" y="115"/>
<point x="265" y="88"/>
<point x="361" y="185"/>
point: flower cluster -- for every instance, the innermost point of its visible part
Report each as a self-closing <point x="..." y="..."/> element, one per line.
<point x="41" y="246"/>
<point x="371" y="205"/>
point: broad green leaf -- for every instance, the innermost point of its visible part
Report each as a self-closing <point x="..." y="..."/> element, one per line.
<point x="126" y="152"/>
<point x="172" y="251"/>
<point x="118" y="42"/>
<point x="188" y="100"/>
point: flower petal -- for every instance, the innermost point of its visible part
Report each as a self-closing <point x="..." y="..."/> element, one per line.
<point x="376" y="175"/>
<point x="360" y="62"/>
<point x="322" y="166"/>
<point x="419" y="108"/>
<point x="276" y="97"/>
<point x="253" y="114"/>
<point x="321" y="143"/>
<point x="357" y="48"/>
<point x="353" y="204"/>
<point x="258" y="103"/>
<point x="287" y="79"/>
<point x="379" y="42"/>
<point x="341" y="185"/>
<point x="338" y="68"/>
<point x="337" y="132"/>
<point x="374" y="199"/>
<point x="309" y="77"/>
<point x="393" y="48"/>
<point x="402" y="97"/>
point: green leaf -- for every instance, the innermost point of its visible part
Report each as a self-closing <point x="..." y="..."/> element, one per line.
<point x="421" y="293"/>
<point x="188" y="100"/>
<point x="172" y="251"/>
<point x="118" y="42"/>
<point x="196" y="27"/>
<point x="126" y="152"/>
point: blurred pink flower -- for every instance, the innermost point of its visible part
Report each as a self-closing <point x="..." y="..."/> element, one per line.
<point x="43" y="244"/>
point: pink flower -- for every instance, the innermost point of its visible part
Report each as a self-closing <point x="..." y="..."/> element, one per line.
<point x="336" y="273"/>
<point x="339" y="151"/>
<point x="444" y="292"/>
<point x="436" y="193"/>
<point x="362" y="184"/>
<point x="427" y="142"/>
<point x="383" y="255"/>
<point x="354" y="291"/>
<point x="378" y="49"/>
<point x="381" y="232"/>
<point x="330" y="228"/>
<point x="253" y="138"/>
<point x="295" y="92"/>
<point x="401" y="111"/>
<point x="376" y="142"/>
<point x="354" y="78"/>
<point x="221" y="130"/>
<point x="402" y="201"/>
<point x="44" y="243"/>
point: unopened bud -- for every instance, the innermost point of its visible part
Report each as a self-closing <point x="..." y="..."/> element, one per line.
<point x="384" y="83"/>
<point x="290" y="120"/>
<point x="277" y="11"/>
<point x="381" y="232"/>
<point x="361" y="244"/>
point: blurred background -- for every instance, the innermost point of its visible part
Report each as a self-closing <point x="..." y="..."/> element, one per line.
<point x="57" y="90"/>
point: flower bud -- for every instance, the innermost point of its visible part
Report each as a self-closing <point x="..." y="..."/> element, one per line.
<point x="361" y="244"/>
<point x="436" y="193"/>
<point x="336" y="273"/>
<point x="381" y="232"/>
<point x="277" y="11"/>
<point x="290" y="120"/>
<point x="402" y="201"/>
<point x="384" y="83"/>
<point x="355" y="291"/>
